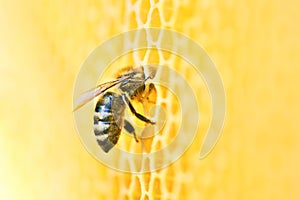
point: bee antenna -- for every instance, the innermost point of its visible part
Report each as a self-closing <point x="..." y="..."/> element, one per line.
<point x="149" y="77"/>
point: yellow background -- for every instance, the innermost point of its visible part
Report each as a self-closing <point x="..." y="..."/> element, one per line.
<point x="255" y="45"/>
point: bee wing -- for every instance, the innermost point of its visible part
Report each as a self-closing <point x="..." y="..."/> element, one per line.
<point x="92" y="93"/>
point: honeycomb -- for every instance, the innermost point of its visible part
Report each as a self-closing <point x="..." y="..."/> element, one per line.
<point x="255" y="45"/>
<point x="171" y="182"/>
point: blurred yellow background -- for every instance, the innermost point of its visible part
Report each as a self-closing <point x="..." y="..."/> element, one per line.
<point x="255" y="45"/>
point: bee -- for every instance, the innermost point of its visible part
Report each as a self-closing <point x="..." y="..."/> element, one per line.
<point x="109" y="114"/>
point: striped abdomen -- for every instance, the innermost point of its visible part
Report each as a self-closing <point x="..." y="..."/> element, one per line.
<point x="109" y="120"/>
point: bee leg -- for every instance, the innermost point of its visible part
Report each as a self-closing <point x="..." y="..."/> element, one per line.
<point x="129" y="128"/>
<point x="138" y="115"/>
<point x="149" y="97"/>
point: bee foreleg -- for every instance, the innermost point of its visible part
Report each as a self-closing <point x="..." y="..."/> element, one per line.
<point x="130" y="129"/>
<point x="150" y="91"/>
<point x="138" y="115"/>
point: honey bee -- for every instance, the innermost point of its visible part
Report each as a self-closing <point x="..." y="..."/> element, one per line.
<point x="110" y="108"/>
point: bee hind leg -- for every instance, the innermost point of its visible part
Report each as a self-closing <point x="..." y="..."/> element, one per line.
<point x="130" y="129"/>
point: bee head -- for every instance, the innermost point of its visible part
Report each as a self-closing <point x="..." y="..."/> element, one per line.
<point x="136" y="85"/>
